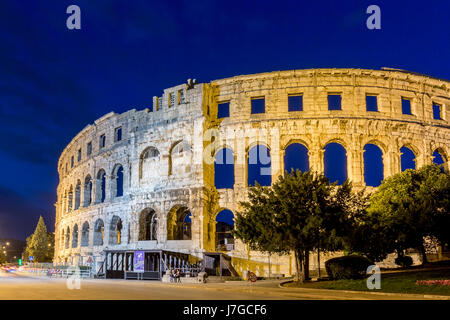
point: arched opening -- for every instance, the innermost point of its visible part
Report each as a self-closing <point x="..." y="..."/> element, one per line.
<point x="101" y="186"/>
<point x="373" y="165"/>
<point x="70" y="199"/>
<point x="77" y="195"/>
<point x="118" y="181"/>
<point x="440" y="159"/>
<point x="99" y="229"/>
<point x="66" y="201"/>
<point x="148" y="163"/>
<point x="179" y="224"/>
<point x="407" y="159"/>
<point x="115" y="231"/>
<point x="224" y="169"/>
<point x="180" y="158"/>
<point x="148" y="225"/>
<point x="85" y="234"/>
<point x="296" y="158"/>
<point x="87" y="191"/>
<point x="75" y="236"/>
<point x="335" y="163"/>
<point x="224" y="226"/>
<point x="259" y="168"/>
<point x="67" y="245"/>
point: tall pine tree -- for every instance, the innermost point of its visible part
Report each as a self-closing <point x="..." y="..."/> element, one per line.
<point x="39" y="242"/>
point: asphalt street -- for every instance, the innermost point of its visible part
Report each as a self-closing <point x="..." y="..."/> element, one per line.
<point x="15" y="286"/>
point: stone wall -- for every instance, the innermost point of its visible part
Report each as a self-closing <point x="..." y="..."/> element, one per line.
<point x="177" y="172"/>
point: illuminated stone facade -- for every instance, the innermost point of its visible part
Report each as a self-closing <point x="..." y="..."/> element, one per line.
<point x="159" y="157"/>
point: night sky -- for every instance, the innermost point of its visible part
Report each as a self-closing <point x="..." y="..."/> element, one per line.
<point x="55" y="81"/>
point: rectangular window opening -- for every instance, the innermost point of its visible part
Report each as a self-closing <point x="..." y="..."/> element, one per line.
<point x="223" y="110"/>
<point x="437" y="112"/>
<point x="334" y="101"/>
<point x="118" y="134"/>
<point x="371" y="103"/>
<point x="102" y="141"/>
<point x="406" y="106"/>
<point x="295" y="102"/>
<point x="181" y="96"/>
<point x="258" y="105"/>
<point x="171" y="100"/>
<point x="89" y="148"/>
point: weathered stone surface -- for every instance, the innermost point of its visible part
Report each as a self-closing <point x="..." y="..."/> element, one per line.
<point x="173" y="173"/>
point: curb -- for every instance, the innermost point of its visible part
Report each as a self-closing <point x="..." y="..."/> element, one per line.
<point x="410" y="295"/>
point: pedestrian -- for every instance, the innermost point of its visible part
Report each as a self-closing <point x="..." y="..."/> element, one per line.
<point x="177" y="275"/>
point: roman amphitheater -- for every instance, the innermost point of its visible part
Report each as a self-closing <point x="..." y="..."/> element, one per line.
<point x="142" y="181"/>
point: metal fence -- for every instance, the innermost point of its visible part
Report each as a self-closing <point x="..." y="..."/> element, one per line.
<point x="58" y="271"/>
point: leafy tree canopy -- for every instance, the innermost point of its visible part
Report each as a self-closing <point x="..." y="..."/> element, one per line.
<point x="410" y="206"/>
<point x="300" y="212"/>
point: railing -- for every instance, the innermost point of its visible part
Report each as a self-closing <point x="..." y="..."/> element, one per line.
<point x="58" y="271"/>
<point x="190" y="272"/>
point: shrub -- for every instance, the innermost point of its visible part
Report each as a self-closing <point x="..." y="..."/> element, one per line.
<point x="404" y="261"/>
<point x="347" y="267"/>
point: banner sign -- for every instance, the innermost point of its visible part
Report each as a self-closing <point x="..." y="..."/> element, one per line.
<point x="139" y="261"/>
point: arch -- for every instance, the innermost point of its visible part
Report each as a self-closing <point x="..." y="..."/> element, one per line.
<point x="67" y="244"/>
<point x="75" y="236"/>
<point x="224" y="169"/>
<point x="77" y="195"/>
<point x="115" y="230"/>
<point x="224" y="226"/>
<point x="259" y="166"/>
<point x="296" y="158"/>
<point x="87" y="191"/>
<point x="117" y="175"/>
<point x="384" y="149"/>
<point x="179" y="158"/>
<point x="100" y="192"/>
<point x="148" y="225"/>
<point x="99" y="228"/>
<point x="179" y="224"/>
<point x="407" y="159"/>
<point x="373" y="165"/>
<point x="440" y="158"/>
<point x="335" y="162"/>
<point x="66" y="201"/>
<point x="70" y="199"/>
<point x="85" y="234"/>
<point x="147" y="160"/>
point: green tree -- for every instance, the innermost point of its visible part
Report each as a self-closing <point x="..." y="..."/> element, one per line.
<point x="38" y="247"/>
<point x="368" y="236"/>
<point x="300" y="212"/>
<point x="26" y="251"/>
<point x="2" y="257"/>
<point x="50" y="246"/>
<point x="411" y="206"/>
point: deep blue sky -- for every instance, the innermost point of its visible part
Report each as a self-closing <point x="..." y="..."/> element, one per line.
<point x="55" y="81"/>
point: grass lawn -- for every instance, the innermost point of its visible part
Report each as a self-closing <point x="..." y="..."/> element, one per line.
<point x="403" y="282"/>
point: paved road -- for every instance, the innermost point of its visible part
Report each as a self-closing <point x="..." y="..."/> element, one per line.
<point x="24" y="287"/>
